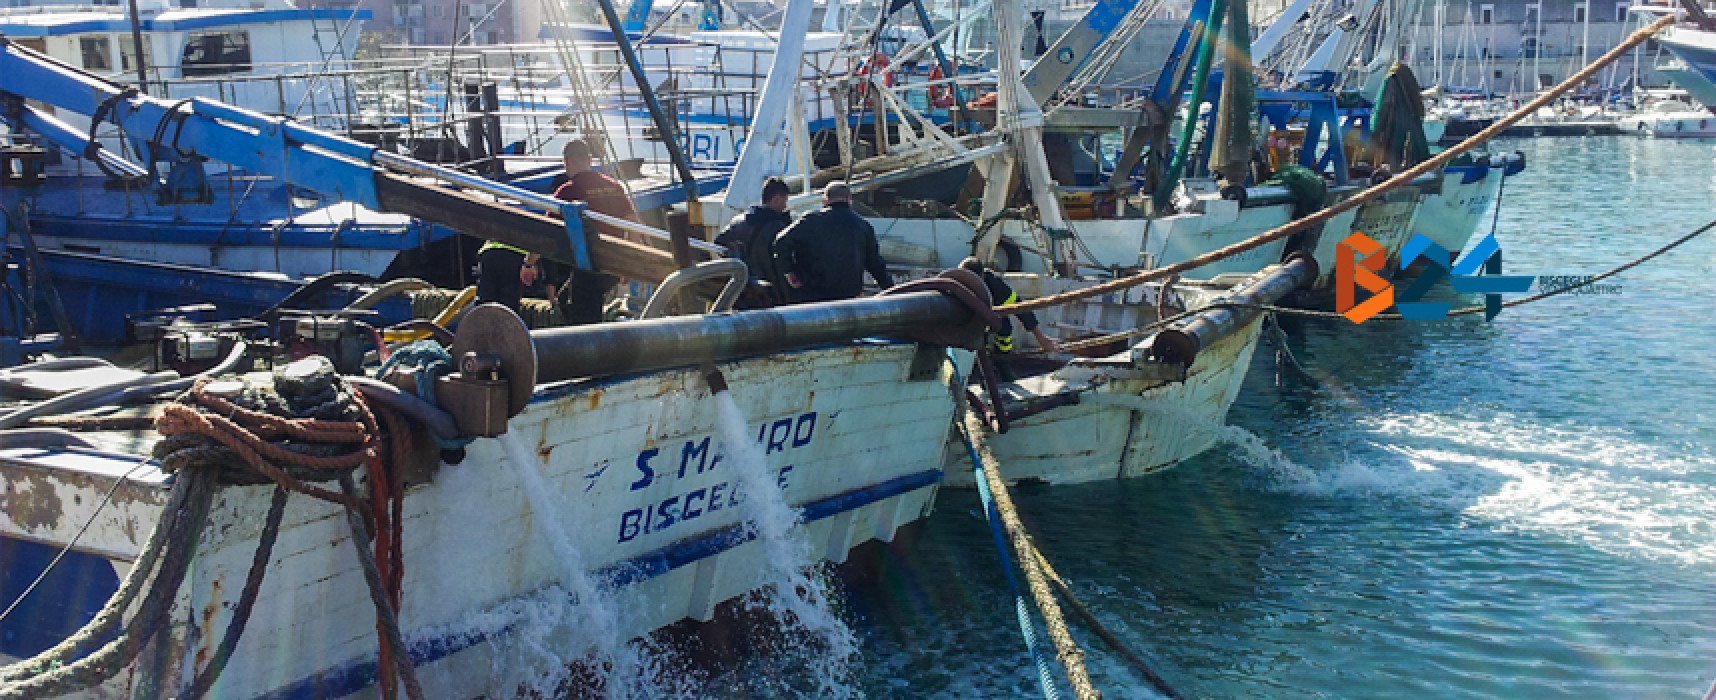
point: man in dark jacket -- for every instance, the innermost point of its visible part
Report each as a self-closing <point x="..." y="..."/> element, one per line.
<point x="751" y="238"/>
<point x="824" y="255"/>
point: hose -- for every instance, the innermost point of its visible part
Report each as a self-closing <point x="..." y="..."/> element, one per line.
<point x="226" y="365"/>
<point x="438" y="421"/>
<point x="391" y="289"/>
<point x="314" y="287"/>
<point x="80" y="399"/>
<point x="59" y="365"/>
<point x="41" y="437"/>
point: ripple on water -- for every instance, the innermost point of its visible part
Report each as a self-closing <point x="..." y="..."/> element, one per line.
<point x="1456" y="510"/>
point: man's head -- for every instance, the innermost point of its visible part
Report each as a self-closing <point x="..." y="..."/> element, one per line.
<point x="576" y="156"/>
<point x="775" y="193"/>
<point x="837" y="192"/>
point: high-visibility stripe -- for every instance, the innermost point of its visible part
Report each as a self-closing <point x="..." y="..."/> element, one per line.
<point x="497" y="245"/>
<point x="1004" y="343"/>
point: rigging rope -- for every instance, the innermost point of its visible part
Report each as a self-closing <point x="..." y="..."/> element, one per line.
<point x="1462" y="311"/>
<point x="1373" y="192"/>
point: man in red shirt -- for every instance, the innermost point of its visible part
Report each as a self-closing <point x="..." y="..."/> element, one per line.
<point x="603" y="194"/>
<point x="587" y="291"/>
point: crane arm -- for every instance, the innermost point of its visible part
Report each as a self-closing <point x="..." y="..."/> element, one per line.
<point x="329" y="164"/>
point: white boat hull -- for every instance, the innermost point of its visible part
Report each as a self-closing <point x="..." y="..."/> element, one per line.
<point x="629" y="461"/>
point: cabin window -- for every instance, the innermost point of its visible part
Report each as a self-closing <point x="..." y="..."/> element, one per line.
<point x="1579" y="12"/>
<point x="1531" y="13"/>
<point x="1486" y="14"/>
<point x="128" y="53"/>
<point x="216" y="53"/>
<point x="97" y="53"/>
<point x="1621" y="11"/>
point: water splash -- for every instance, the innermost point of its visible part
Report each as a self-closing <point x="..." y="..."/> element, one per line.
<point x="797" y="598"/>
<point x="595" y="633"/>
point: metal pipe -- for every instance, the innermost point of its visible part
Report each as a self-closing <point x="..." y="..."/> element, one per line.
<point x="137" y="47"/>
<point x="734" y="270"/>
<point x="476" y="182"/>
<point x="411" y="166"/>
<point x="70" y="139"/>
<point x="651" y="231"/>
<point x="653" y="344"/>
<point x="1182" y="341"/>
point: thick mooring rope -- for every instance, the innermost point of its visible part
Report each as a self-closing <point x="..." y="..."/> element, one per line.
<point x="1353" y="202"/>
<point x="246" y="599"/>
<point x="55" y="672"/>
<point x="1027" y="628"/>
<point x="1100" y="629"/>
<point x="1067" y="650"/>
<point x="1004" y="520"/>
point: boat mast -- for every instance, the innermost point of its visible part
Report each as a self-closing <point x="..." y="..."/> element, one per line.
<point x="137" y="48"/>
<point x="664" y="126"/>
<point x="769" y="143"/>
<point x="1020" y="118"/>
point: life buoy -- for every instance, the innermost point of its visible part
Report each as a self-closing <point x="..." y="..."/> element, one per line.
<point x="876" y="62"/>
<point x="940" y="96"/>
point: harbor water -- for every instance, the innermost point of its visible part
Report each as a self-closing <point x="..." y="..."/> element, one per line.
<point x="1517" y="509"/>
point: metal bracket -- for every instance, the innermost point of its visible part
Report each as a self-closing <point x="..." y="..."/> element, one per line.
<point x="494" y="331"/>
<point x="572" y="215"/>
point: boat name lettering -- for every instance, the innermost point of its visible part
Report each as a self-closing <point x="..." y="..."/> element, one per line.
<point x="698" y="455"/>
<point x="686" y="507"/>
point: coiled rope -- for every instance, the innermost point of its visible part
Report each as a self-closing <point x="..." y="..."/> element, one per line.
<point x="1373" y="192"/>
<point x="203" y="436"/>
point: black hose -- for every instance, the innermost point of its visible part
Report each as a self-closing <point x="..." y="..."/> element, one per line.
<point x="314" y="287"/>
<point x="41" y="437"/>
<point x="438" y="421"/>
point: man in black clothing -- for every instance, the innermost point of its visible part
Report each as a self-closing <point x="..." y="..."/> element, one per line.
<point x="1001" y="293"/>
<point x="824" y="255"/>
<point x="751" y="238"/>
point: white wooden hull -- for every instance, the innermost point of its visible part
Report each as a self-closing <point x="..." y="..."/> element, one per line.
<point x="1112" y="242"/>
<point x="1451" y="217"/>
<point x="1127" y="427"/>
<point x="857" y="444"/>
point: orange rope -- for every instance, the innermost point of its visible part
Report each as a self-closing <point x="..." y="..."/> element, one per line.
<point x="247" y="433"/>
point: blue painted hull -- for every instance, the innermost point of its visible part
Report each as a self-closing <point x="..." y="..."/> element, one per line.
<point x="99" y="291"/>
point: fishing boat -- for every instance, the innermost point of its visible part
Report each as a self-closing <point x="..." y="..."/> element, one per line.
<point x="1131" y="408"/>
<point x="638" y="452"/>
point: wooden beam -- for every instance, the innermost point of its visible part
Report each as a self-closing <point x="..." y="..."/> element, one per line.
<point x="538" y="233"/>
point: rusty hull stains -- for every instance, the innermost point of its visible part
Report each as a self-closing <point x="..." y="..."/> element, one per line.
<point x="34" y="503"/>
